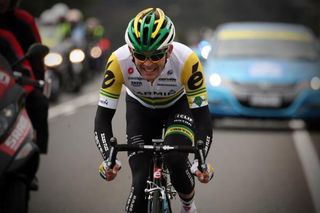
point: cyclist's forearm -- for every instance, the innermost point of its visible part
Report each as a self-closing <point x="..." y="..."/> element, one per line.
<point x="103" y="130"/>
<point x="203" y="126"/>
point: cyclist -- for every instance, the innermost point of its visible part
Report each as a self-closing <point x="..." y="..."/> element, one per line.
<point x="164" y="85"/>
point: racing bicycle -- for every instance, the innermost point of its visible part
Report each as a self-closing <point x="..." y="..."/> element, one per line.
<point x="159" y="190"/>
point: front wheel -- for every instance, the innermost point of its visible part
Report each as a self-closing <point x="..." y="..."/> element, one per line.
<point x="155" y="204"/>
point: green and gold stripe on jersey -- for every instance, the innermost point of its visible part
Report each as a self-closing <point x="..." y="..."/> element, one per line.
<point x="182" y="130"/>
<point x="157" y="102"/>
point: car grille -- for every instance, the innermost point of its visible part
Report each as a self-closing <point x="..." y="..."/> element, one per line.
<point x="264" y="95"/>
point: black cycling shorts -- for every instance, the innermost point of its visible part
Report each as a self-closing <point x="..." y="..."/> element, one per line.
<point x="145" y="124"/>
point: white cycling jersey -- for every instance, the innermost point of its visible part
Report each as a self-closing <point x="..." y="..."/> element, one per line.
<point x="182" y="74"/>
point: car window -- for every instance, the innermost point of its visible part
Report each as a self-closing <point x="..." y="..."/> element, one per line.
<point x="291" y="45"/>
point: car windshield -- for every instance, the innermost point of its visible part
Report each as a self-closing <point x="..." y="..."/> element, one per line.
<point x="303" y="49"/>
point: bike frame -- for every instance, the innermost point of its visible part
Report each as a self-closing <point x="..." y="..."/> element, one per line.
<point x="159" y="190"/>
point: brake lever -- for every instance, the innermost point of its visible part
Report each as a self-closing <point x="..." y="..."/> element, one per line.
<point x="111" y="161"/>
<point x="201" y="156"/>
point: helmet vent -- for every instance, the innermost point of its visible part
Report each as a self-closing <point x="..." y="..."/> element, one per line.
<point x="139" y="25"/>
<point x="154" y="27"/>
<point x="145" y="36"/>
<point x="147" y="19"/>
<point x="163" y="38"/>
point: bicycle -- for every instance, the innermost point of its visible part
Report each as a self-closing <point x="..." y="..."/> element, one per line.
<point x="159" y="190"/>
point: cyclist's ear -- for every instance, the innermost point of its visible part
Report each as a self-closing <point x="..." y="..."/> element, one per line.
<point x="169" y="51"/>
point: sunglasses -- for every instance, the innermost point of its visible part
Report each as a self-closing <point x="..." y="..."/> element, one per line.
<point x="155" y="57"/>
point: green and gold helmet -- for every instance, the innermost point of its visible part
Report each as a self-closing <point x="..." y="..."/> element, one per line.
<point x="150" y="30"/>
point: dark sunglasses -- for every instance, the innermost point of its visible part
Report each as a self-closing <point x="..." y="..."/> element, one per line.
<point x="155" y="57"/>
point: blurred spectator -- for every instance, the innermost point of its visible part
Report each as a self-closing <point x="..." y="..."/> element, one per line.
<point x="12" y="51"/>
<point x="74" y="18"/>
<point x="94" y="29"/>
<point x="98" y="44"/>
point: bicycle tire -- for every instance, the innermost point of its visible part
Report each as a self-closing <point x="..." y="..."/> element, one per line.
<point x="167" y="205"/>
<point x="155" y="204"/>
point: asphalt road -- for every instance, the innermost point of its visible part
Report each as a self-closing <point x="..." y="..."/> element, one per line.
<point x="261" y="167"/>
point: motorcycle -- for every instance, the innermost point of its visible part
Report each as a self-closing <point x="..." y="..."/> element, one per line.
<point x="19" y="155"/>
<point x="66" y="65"/>
<point x="97" y="54"/>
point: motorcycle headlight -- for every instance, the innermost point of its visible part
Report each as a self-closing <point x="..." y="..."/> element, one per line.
<point x="53" y="59"/>
<point x="7" y="117"/>
<point x="95" y="52"/>
<point x="76" y="56"/>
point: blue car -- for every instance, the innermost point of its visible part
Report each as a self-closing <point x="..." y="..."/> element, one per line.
<point x="264" y="70"/>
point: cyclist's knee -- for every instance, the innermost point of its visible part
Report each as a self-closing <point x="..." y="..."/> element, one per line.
<point x="179" y="133"/>
<point x="176" y="161"/>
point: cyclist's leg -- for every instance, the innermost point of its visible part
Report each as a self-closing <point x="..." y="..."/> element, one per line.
<point x="141" y="128"/>
<point x="139" y="164"/>
<point x="179" y="131"/>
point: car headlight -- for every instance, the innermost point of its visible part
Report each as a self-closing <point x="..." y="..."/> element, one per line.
<point x="215" y="79"/>
<point x="7" y="117"/>
<point x="76" y="56"/>
<point x="315" y="83"/>
<point x="205" y="51"/>
<point x="205" y="48"/>
<point x="53" y="59"/>
<point x="95" y="52"/>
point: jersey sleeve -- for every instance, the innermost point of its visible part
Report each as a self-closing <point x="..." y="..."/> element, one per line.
<point x="193" y="80"/>
<point x="109" y="94"/>
<point x="112" y="83"/>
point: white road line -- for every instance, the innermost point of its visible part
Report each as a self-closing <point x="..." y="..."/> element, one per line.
<point x="310" y="163"/>
<point x="70" y="107"/>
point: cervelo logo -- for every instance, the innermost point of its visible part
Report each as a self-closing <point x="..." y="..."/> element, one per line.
<point x="13" y="142"/>
<point x="157" y="173"/>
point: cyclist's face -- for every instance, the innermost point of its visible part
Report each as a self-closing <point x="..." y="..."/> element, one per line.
<point x="151" y="64"/>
